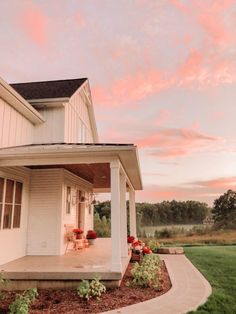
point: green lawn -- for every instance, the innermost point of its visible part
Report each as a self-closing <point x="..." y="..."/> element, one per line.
<point x="218" y="265"/>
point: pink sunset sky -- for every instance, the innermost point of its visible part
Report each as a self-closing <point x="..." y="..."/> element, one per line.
<point x="162" y="75"/>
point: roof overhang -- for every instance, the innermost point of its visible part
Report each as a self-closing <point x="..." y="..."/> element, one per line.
<point x="58" y="154"/>
<point x="8" y="94"/>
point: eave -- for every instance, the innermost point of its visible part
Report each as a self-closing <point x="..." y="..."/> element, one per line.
<point x="8" y="94"/>
<point x="57" y="154"/>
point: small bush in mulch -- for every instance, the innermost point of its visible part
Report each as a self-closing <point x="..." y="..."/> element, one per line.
<point x="68" y="301"/>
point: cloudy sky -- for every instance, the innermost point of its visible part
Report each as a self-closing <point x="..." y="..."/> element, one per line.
<point x="162" y="74"/>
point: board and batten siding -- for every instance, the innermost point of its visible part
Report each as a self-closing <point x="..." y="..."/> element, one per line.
<point x="52" y="130"/>
<point x="76" y="114"/>
<point x="15" y="129"/>
<point x="13" y="241"/>
<point x="45" y="212"/>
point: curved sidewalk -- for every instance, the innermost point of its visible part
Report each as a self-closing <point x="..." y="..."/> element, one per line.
<point x="189" y="290"/>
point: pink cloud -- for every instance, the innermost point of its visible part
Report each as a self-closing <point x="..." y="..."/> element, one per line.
<point x="130" y="88"/>
<point x="170" y="143"/>
<point x="212" y="20"/>
<point x="80" y="20"/>
<point x="218" y="183"/>
<point x="164" y="117"/>
<point x="206" y="191"/>
<point x="191" y="67"/>
<point x="34" y="23"/>
<point x="218" y="115"/>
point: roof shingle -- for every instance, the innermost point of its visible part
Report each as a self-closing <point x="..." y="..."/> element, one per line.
<point x="48" y="89"/>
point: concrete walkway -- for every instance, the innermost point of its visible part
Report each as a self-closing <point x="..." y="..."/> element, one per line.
<point x="189" y="290"/>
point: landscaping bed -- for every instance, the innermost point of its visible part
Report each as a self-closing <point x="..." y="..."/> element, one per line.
<point x="68" y="301"/>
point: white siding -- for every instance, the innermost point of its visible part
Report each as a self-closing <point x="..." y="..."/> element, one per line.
<point x="45" y="212"/>
<point x="15" y="129"/>
<point x="76" y="113"/>
<point x="13" y="241"/>
<point x="52" y="130"/>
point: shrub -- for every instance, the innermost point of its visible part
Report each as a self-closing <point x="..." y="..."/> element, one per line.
<point x="154" y="245"/>
<point x="3" y="282"/>
<point x="91" y="289"/>
<point x="147" y="273"/>
<point x="22" y="302"/>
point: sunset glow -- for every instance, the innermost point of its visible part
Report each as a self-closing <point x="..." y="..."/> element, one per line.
<point x="162" y="76"/>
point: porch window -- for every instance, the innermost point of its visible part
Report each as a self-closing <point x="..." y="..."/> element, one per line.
<point x="10" y="203"/>
<point x="17" y="206"/>
<point x="68" y="199"/>
<point x="7" y="217"/>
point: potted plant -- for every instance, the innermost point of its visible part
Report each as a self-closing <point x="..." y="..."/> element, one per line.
<point x="91" y="236"/>
<point x="78" y="233"/>
<point x="137" y="251"/>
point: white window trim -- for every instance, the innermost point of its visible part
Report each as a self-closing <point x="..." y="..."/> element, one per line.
<point x="13" y="203"/>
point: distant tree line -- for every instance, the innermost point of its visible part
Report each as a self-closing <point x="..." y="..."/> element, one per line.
<point x="173" y="212"/>
<point x="166" y="212"/>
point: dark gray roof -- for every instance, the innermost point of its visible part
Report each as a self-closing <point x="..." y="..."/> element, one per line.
<point x="48" y="89"/>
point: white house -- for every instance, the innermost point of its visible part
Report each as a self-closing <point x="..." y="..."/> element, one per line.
<point x="50" y="159"/>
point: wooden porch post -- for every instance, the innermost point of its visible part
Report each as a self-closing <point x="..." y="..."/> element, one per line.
<point x="132" y="213"/>
<point x="115" y="217"/>
<point x="123" y="215"/>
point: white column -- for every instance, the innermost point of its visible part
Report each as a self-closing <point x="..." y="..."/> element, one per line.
<point x="115" y="217"/>
<point x="123" y="216"/>
<point x="132" y="213"/>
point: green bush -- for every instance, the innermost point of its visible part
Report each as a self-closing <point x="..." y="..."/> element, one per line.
<point x="147" y="273"/>
<point x="22" y="302"/>
<point x="91" y="289"/>
<point x="3" y="282"/>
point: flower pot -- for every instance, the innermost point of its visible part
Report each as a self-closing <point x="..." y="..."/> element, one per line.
<point x="91" y="241"/>
<point x="136" y="257"/>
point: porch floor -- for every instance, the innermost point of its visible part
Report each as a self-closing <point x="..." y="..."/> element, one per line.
<point x="72" y="266"/>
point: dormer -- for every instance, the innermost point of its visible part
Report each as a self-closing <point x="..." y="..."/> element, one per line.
<point x="66" y="106"/>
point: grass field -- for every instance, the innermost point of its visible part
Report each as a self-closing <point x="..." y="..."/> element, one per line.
<point x="150" y="230"/>
<point x="221" y="237"/>
<point x="218" y="265"/>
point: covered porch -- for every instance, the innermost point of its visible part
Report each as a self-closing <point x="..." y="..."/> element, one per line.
<point x="105" y="168"/>
<point x="64" y="271"/>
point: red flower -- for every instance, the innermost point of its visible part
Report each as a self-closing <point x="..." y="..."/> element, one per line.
<point x="146" y="250"/>
<point x="136" y="243"/>
<point x="78" y="230"/>
<point x="130" y="239"/>
<point x="91" y="234"/>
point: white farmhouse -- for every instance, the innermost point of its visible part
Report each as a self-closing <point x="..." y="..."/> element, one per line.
<point x="51" y="164"/>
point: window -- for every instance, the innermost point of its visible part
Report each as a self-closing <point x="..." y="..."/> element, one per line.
<point x="17" y="205"/>
<point x="7" y="217"/>
<point x="10" y="203"/>
<point x="68" y="199"/>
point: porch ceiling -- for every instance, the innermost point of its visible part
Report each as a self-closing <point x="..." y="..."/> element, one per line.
<point x="90" y="161"/>
<point x="98" y="173"/>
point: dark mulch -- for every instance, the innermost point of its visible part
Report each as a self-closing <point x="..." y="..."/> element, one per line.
<point x="67" y="301"/>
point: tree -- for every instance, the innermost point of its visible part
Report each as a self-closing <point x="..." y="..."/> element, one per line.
<point x="224" y="210"/>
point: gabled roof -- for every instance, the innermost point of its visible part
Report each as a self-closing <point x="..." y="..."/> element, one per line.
<point x="48" y="89"/>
